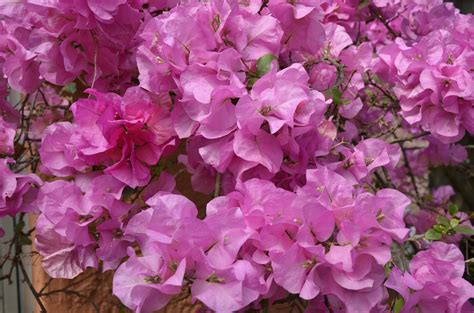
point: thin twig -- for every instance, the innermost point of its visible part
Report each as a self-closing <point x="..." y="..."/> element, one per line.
<point x="423" y="134"/>
<point x="382" y="90"/>
<point x="378" y="16"/>
<point x="410" y="172"/>
<point x="30" y="285"/>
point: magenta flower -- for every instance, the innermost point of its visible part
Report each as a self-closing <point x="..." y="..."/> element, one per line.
<point x="311" y="128"/>
<point x="294" y="270"/>
<point x="230" y="289"/>
<point x="155" y="280"/>
<point x="434" y="281"/>
<point x="360" y="288"/>
<point x="59" y="155"/>
<point x="61" y="257"/>
<point x="125" y="134"/>
<point x="17" y="192"/>
<point x="19" y="64"/>
<point x="275" y="98"/>
<point x="63" y="237"/>
<point x="260" y="148"/>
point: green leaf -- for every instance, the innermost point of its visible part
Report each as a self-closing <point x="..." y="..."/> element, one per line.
<point x="466" y="230"/>
<point x="71" y="88"/>
<point x="250" y="82"/>
<point x="440" y="228"/>
<point x="453" y="209"/>
<point x="398" y="306"/>
<point x="454" y="222"/>
<point x="337" y="96"/>
<point x="369" y="93"/>
<point x="440" y="219"/>
<point x="19" y="226"/>
<point x="433" y="235"/>
<point x="264" y="64"/>
<point x="24" y="240"/>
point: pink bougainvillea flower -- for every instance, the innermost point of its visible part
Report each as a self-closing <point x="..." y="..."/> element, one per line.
<point x="291" y="119"/>
<point x="17" y="192"/>
<point x="230" y="289"/>
<point x="58" y="154"/>
<point x="260" y="148"/>
<point x="63" y="237"/>
<point x="126" y="134"/>
<point x="155" y="281"/>
<point x="434" y="281"/>
<point x="274" y="98"/>
<point x="294" y="270"/>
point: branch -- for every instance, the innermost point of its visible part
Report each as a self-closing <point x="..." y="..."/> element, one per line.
<point x="410" y="172"/>
<point x="30" y="285"/>
<point x="375" y="12"/>
<point x="423" y="134"/>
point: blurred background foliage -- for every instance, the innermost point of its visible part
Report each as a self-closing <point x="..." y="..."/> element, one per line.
<point x="466" y="6"/>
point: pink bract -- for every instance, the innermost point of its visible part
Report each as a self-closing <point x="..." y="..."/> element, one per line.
<point x="243" y="153"/>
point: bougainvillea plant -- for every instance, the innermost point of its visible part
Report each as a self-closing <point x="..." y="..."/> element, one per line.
<point x="316" y="126"/>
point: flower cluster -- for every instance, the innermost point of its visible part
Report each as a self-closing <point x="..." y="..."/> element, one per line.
<point x="434" y="282"/>
<point x="432" y="69"/>
<point x="126" y="135"/>
<point x="59" y="41"/>
<point x="313" y="128"/>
